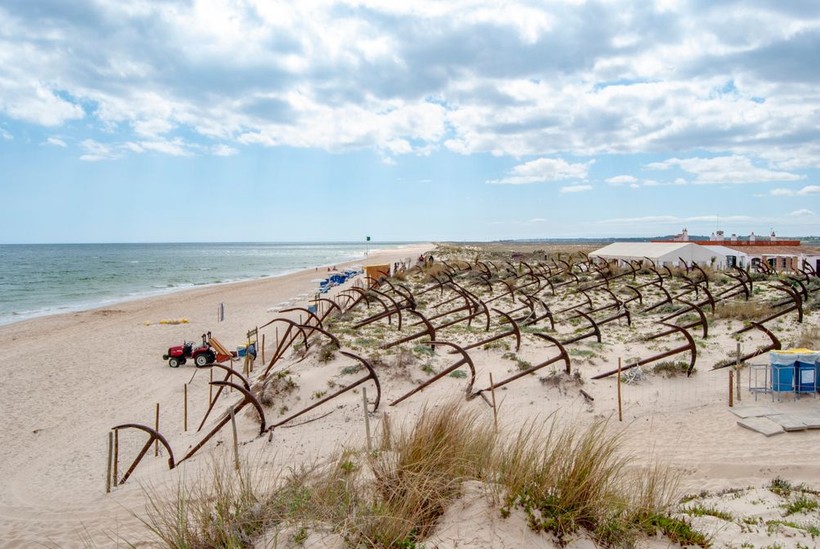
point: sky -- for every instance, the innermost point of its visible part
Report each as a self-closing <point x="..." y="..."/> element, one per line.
<point x="321" y="120"/>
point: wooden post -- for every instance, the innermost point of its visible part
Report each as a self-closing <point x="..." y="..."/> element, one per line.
<point x="737" y="369"/>
<point x="116" y="456"/>
<point x="495" y="408"/>
<point x="156" y="428"/>
<point x="235" y="441"/>
<point x="185" y="408"/>
<point x="366" y="419"/>
<point x="731" y="389"/>
<point x="277" y="337"/>
<point x="110" y="458"/>
<point x="620" y="407"/>
<point x="210" y="387"/>
<point x="263" y="349"/>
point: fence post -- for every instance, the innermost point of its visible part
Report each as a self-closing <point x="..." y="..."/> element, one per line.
<point x="366" y="419"/>
<point x="110" y="458"/>
<point x="620" y="409"/>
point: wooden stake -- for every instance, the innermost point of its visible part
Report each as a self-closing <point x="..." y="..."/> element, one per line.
<point x="235" y="441"/>
<point x="737" y="383"/>
<point x="116" y="456"/>
<point x="737" y="368"/>
<point x="731" y="391"/>
<point x="620" y="407"/>
<point x="495" y="408"/>
<point x="211" y="387"/>
<point x="263" y="349"/>
<point x="277" y="337"/>
<point x="185" y="408"/>
<point x="156" y="428"/>
<point x="110" y="458"/>
<point x="366" y="419"/>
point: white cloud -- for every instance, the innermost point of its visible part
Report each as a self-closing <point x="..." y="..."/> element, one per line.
<point x="808" y="189"/>
<point x="223" y="150"/>
<point x="803" y="212"/>
<point x="544" y="170"/>
<point x="622" y="180"/>
<point x="724" y="169"/>
<point x="56" y="141"/>
<point x="576" y="188"/>
<point x="96" y="151"/>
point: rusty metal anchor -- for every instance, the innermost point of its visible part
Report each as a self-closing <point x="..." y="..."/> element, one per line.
<point x="230" y="372"/>
<point x="465" y="359"/>
<point x="371" y="375"/>
<point x="690" y="346"/>
<point x="247" y="398"/>
<point x="702" y="322"/>
<point x="514" y="331"/>
<point x="285" y="342"/>
<point x="563" y="355"/>
<point x="773" y="346"/>
<point x="153" y="435"/>
<point x="429" y="331"/>
<point x="596" y="331"/>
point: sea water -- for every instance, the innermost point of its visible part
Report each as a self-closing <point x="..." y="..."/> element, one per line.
<point x="43" y="279"/>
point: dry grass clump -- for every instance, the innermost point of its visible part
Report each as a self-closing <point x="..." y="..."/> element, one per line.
<point x="223" y="507"/>
<point x="742" y="310"/>
<point x="809" y="338"/>
<point x="417" y="480"/>
<point x="565" y="481"/>
<point x="562" y="478"/>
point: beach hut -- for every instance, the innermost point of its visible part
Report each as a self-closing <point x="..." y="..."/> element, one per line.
<point x="660" y="253"/>
<point x="375" y="272"/>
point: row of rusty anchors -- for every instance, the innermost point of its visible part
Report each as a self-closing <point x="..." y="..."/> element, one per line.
<point x="247" y="398"/>
<point x="689" y="347"/>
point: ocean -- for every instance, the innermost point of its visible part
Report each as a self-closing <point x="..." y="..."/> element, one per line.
<point x="43" y="279"/>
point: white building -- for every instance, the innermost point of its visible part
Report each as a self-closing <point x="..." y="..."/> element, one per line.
<point x="660" y="253"/>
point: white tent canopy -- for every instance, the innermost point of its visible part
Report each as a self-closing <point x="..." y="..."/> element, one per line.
<point x="660" y="253"/>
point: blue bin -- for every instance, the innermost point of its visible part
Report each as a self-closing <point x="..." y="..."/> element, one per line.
<point x="783" y="378"/>
<point x="806" y="377"/>
<point x="240" y="351"/>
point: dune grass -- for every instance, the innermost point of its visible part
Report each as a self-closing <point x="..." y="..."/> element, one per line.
<point x="567" y="481"/>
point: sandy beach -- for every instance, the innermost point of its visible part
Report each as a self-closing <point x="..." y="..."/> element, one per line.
<point x="68" y="379"/>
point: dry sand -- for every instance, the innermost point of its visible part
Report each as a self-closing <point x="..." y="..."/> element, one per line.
<point x="68" y="379"/>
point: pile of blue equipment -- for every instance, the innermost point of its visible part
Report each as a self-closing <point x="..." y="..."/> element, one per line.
<point x="795" y="371"/>
<point x="337" y="279"/>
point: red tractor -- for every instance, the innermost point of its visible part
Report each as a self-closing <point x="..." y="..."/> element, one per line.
<point x="201" y="354"/>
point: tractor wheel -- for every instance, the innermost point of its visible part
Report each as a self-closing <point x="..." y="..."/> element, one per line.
<point x="173" y="362"/>
<point x="202" y="360"/>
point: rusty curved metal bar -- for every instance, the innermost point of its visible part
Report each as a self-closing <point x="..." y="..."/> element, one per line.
<point x="306" y="311"/>
<point x="153" y="435"/>
<point x="596" y="331"/>
<point x="371" y="375"/>
<point x="808" y="269"/>
<point x="285" y="342"/>
<point x="408" y="297"/>
<point x="803" y="291"/>
<point x="667" y="300"/>
<point x="429" y="330"/>
<point x="333" y="339"/>
<point x="514" y="331"/>
<point x="535" y="317"/>
<point x="638" y="295"/>
<point x="333" y="305"/>
<point x="702" y="322"/>
<point x="230" y="372"/>
<point x="579" y="305"/>
<point x="563" y="355"/>
<point x="247" y="398"/>
<point x="773" y="346"/>
<point x="690" y="346"/>
<point x="465" y="359"/>
<point x="797" y="304"/>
